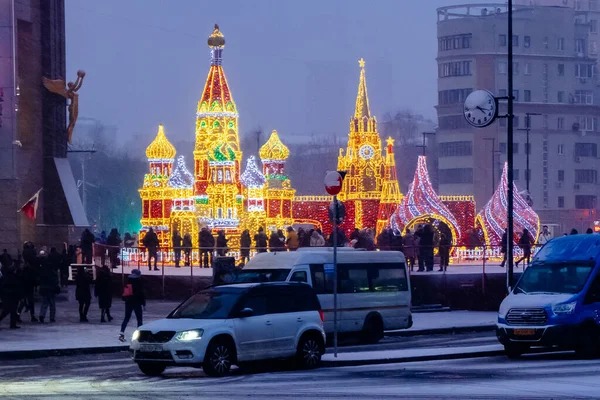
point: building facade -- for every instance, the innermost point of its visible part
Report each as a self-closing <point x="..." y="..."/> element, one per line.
<point x="555" y="76"/>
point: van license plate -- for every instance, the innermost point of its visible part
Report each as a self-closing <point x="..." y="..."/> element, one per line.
<point x="524" y="332"/>
<point x="151" y="348"/>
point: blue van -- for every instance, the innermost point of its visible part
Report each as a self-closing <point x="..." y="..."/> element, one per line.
<point x="556" y="302"/>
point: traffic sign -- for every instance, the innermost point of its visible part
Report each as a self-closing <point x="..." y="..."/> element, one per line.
<point x="333" y="182"/>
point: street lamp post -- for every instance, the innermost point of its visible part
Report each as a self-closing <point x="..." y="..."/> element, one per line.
<point x="528" y="148"/>
<point x="424" y="146"/>
<point x="509" y="150"/>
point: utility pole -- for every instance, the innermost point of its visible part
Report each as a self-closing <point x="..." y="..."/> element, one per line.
<point x="424" y="146"/>
<point x="528" y="150"/>
<point x="509" y="150"/>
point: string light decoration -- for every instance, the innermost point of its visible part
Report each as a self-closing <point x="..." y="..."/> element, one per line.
<point x="492" y="218"/>
<point x="422" y="202"/>
<point x="181" y="178"/>
<point x="252" y="178"/>
<point x="390" y="191"/>
<point x="464" y="210"/>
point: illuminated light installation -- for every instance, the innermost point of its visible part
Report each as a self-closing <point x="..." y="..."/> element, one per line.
<point x="492" y="218"/>
<point x="363" y="160"/>
<point x="422" y="204"/>
<point x="155" y="195"/>
<point x="390" y="191"/>
<point x="279" y="194"/>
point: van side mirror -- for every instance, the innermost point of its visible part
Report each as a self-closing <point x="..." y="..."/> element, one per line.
<point x="246" y="312"/>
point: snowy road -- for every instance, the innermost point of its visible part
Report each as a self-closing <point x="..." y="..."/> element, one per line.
<point x="113" y="376"/>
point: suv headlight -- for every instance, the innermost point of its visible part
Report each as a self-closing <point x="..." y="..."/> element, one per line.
<point x="136" y="335"/>
<point x="563" y="309"/>
<point x="187" y="336"/>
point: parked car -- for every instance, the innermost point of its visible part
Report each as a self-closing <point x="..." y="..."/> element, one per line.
<point x="556" y="303"/>
<point x="228" y="325"/>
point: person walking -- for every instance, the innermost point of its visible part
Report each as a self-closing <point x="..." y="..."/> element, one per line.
<point x="410" y="246"/>
<point x="11" y="294"/>
<point x="29" y="279"/>
<point x="49" y="285"/>
<point x="82" y="292"/>
<point x="103" y="292"/>
<point x="187" y="248"/>
<point x="151" y="243"/>
<point x="316" y="240"/>
<point x="127" y="240"/>
<point x="207" y="246"/>
<point x="525" y="242"/>
<point x="504" y="247"/>
<point x="114" y="247"/>
<point x="545" y="236"/>
<point x="260" y="240"/>
<point x="87" y="246"/>
<point x="245" y="244"/>
<point x="444" y="250"/>
<point x="135" y="301"/>
<point x="222" y="248"/>
<point x="177" y="239"/>
<point x="292" y="241"/>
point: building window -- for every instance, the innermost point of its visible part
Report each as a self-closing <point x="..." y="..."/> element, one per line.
<point x="527" y="69"/>
<point x="516" y="95"/>
<point x="545" y="41"/>
<point x="455" y="42"/>
<point x="455" y="68"/>
<point x="515" y="148"/>
<point x="502" y="40"/>
<point x="561" y="150"/>
<point x="584" y="70"/>
<point x="503" y="146"/>
<point x="502" y="67"/>
<point x="588" y="124"/>
<point x="453" y="122"/>
<point x="455" y="149"/>
<point x="586" y="150"/>
<point x="578" y="5"/>
<point x="585" y="202"/>
<point x="527" y="148"/>
<point x="527" y="41"/>
<point x="586" y="176"/>
<point x="515" y="40"/>
<point x="560" y="123"/>
<point x="220" y="176"/>
<point x="560" y="96"/>
<point x="456" y="176"/>
<point x="516" y="68"/>
<point x="593" y="47"/>
<point x="454" y="96"/>
<point x="593" y="26"/>
<point x="580" y="46"/>
<point x="561" y="69"/>
<point x="560" y="45"/>
<point x="516" y="121"/>
<point x="516" y="174"/>
<point x="561" y="175"/>
<point x="583" y="97"/>
<point x="593" y="5"/>
<point x="561" y="202"/>
<point x="502" y="93"/>
<point x="526" y="96"/>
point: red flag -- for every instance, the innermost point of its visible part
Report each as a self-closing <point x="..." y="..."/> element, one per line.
<point x="30" y="208"/>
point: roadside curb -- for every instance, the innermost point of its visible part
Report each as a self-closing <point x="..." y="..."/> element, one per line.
<point x="30" y="354"/>
<point x="442" y="331"/>
<point x="432" y="357"/>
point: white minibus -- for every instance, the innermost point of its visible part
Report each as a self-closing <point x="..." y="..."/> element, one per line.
<point x="373" y="286"/>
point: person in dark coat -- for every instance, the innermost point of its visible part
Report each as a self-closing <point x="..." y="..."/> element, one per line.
<point x="49" y="285"/>
<point x="574" y="232"/>
<point x="6" y="259"/>
<point x="177" y="239"/>
<point x="504" y="247"/>
<point x="103" y="292"/>
<point x="29" y="280"/>
<point x="207" y="246"/>
<point x="11" y="294"/>
<point x="151" y="243"/>
<point x="222" y="248"/>
<point x="525" y="242"/>
<point x="383" y="239"/>
<point x="355" y="234"/>
<point x="444" y="250"/>
<point x="87" y="246"/>
<point x="426" y="248"/>
<point x="396" y="241"/>
<point x="134" y="299"/>
<point x="275" y="243"/>
<point x="260" y="240"/>
<point x="187" y="248"/>
<point x="245" y="244"/>
<point x="307" y="237"/>
<point x="82" y="292"/>
<point x="114" y="243"/>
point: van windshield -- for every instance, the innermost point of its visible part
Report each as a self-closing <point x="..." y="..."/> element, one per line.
<point x="554" y="278"/>
<point x="261" y="275"/>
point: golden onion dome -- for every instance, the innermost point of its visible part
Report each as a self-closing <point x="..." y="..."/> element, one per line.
<point x="274" y="149"/>
<point x="216" y="39"/>
<point x="160" y="148"/>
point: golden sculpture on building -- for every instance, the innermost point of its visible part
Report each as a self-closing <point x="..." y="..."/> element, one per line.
<point x="69" y="92"/>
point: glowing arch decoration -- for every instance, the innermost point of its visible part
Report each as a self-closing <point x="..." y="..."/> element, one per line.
<point x="422" y="202"/>
<point x="492" y="218"/>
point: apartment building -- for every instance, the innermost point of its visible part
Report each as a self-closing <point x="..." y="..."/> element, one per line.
<point x="555" y="79"/>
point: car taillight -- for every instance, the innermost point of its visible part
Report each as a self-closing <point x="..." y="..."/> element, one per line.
<point x="322" y="315"/>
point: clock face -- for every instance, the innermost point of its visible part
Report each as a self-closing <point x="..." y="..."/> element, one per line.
<point x="366" y="152"/>
<point x="480" y="108"/>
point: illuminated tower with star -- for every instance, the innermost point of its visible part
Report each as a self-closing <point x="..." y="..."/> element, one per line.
<point x="363" y="159"/>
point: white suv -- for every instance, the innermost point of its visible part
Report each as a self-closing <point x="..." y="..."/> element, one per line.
<point x="234" y="324"/>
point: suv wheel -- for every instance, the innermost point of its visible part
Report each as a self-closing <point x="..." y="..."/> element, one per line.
<point x="515" y="350"/>
<point x="218" y="358"/>
<point x="372" y="330"/>
<point x="309" y="352"/>
<point x="151" y="369"/>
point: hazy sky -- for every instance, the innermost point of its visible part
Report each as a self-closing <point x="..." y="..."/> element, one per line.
<point x="291" y="64"/>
